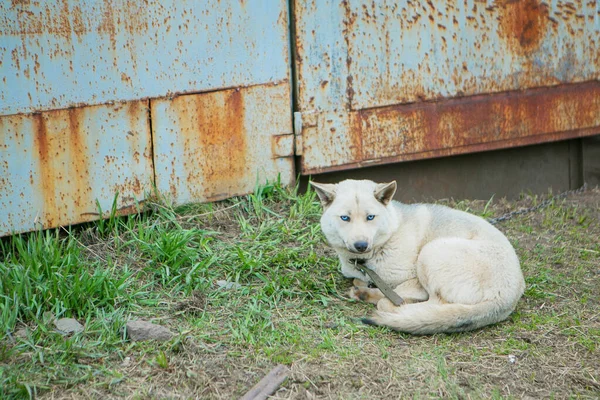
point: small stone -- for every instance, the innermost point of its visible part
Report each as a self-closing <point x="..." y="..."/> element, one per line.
<point x="142" y="330"/>
<point x="48" y="317"/>
<point x="512" y="358"/>
<point x="20" y="333"/>
<point x="191" y="374"/>
<point x="66" y="326"/>
<point x="228" y="285"/>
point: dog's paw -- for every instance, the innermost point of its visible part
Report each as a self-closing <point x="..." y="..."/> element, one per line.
<point x="386" y="305"/>
<point x="358" y="293"/>
<point x="373" y="319"/>
<point x="366" y="294"/>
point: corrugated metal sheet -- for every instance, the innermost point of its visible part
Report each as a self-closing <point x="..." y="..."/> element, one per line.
<point x="355" y="56"/>
<point x="55" y="165"/>
<point x="59" y="54"/>
<point x="226" y="142"/>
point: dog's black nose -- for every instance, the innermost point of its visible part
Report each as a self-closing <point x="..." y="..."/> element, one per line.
<point x="361" y="247"/>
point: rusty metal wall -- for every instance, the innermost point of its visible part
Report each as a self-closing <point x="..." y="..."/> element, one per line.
<point x="194" y="97"/>
<point x="390" y="81"/>
<point x="95" y="96"/>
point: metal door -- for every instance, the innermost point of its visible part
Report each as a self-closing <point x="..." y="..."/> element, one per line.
<point x="386" y="81"/>
<point x="102" y="97"/>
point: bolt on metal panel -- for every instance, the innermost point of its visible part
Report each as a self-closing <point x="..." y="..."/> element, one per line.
<point x="55" y="165"/>
<point x="362" y="66"/>
<point x="72" y="53"/>
<point x="215" y="145"/>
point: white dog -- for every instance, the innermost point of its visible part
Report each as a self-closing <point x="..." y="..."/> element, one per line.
<point x="454" y="270"/>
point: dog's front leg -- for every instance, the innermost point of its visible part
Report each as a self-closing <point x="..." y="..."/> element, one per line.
<point x="349" y="270"/>
<point x="411" y="291"/>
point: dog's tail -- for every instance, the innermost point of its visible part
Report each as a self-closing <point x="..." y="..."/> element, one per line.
<point x="428" y="318"/>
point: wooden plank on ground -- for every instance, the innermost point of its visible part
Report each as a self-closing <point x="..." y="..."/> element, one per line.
<point x="267" y="385"/>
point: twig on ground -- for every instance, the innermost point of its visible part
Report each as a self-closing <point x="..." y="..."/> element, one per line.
<point x="267" y="385"/>
<point x="88" y="248"/>
<point x="585" y="382"/>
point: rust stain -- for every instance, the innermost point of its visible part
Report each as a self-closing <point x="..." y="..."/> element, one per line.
<point x="131" y="209"/>
<point x="214" y="141"/>
<point x="46" y="170"/>
<point x="121" y="211"/>
<point x="60" y="20"/>
<point x="16" y="57"/>
<point x="125" y="78"/>
<point x="134" y="113"/>
<point x="523" y="24"/>
<point x="63" y="22"/>
<point x="131" y="185"/>
<point x="107" y="25"/>
<point x="356" y="137"/>
<point x="79" y="158"/>
<point x="347" y="31"/>
<point x="77" y="24"/>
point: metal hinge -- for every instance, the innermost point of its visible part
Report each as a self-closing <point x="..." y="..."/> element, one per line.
<point x="282" y="145"/>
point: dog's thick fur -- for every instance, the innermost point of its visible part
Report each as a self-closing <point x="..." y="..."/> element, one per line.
<point x="455" y="271"/>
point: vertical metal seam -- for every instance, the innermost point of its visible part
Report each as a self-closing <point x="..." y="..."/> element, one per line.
<point x="293" y="82"/>
<point x="149" y="108"/>
<point x="292" y="55"/>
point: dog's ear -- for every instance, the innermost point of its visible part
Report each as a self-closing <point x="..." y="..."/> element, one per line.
<point x="325" y="191"/>
<point x="384" y="192"/>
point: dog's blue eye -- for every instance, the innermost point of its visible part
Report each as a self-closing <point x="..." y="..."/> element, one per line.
<point x="345" y="218"/>
<point x="370" y="217"/>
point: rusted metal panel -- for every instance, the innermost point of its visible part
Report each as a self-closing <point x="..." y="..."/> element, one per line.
<point x="358" y="55"/>
<point x="55" y="165"/>
<point x="60" y="54"/>
<point x="216" y="145"/>
<point x="63" y="66"/>
<point x="449" y="127"/>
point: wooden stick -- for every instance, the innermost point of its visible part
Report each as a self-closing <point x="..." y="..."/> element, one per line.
<point x="381" y="285"/>
<point x="267" y="385"/>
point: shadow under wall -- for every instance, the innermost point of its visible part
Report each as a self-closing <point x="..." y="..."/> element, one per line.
<point x="504" y="173"/>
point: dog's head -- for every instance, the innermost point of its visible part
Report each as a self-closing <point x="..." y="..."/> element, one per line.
<point x="357" y="215"/>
